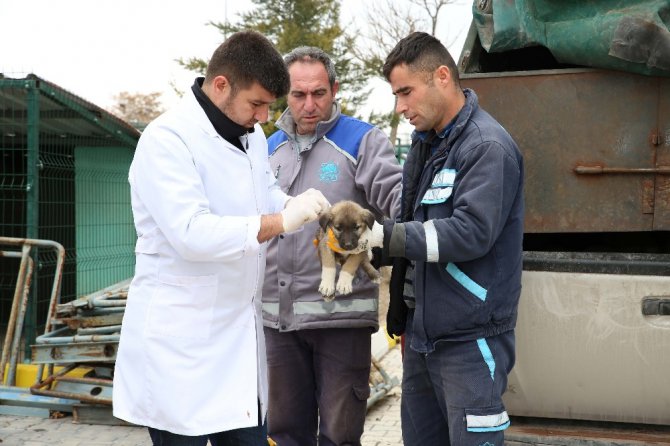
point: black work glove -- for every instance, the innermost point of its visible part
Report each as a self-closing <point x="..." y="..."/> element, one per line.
<point x="376" y="258"/>
<point x="396" y="317"/>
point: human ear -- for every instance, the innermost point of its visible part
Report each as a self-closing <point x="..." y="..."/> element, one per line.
<point x="443" y="74"/>
<point x="220" y="83"/>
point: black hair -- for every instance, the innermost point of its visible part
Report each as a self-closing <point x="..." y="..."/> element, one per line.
<point x="420" y="52"/>
<point x="247" y="57"/>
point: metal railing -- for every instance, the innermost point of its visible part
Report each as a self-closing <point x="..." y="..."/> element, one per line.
<point x="12" y="343"/>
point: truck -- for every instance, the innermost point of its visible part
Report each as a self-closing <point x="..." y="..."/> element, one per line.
<point x="584" y="89"/>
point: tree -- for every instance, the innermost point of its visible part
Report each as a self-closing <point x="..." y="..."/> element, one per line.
<point x="388" y="21"/>
<point x="432" y="9"/>
<point x="292" y="23"/>
<point x="137" y="108"/>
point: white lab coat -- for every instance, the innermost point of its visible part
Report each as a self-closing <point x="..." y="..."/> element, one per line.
<point x="191" y="358"/>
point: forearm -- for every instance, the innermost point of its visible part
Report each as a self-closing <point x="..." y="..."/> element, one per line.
<point x="378" y="174"/>
<point x="271" y="226"/>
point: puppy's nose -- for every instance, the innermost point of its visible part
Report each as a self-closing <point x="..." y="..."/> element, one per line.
<point x="349" y="244"/>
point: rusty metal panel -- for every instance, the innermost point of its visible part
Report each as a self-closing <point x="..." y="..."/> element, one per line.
<point x="587" y="140"/>
<point x="662" y="141"/>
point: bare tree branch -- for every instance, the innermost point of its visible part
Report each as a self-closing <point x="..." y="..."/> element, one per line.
<point x="388" y="21"/>
<point x="137" y="108"/>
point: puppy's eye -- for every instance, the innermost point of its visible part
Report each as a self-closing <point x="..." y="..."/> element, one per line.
<point x="338" y="228"/>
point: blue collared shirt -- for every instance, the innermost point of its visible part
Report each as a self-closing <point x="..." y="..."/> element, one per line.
<point x="440" y="136"/>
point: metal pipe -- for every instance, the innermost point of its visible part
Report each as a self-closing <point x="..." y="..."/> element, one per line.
<point x="96" y="330"/>
<point x="379" y="390"/>
<point x="38" y="387"/>
<point x="55" y="290"/>
<point x="16" y="345"/>
<point x="117" y="300"/>
<point x="55" y="336"/>
<point x="600" y="170"/>
<point x="78" y="338"/>
<point x="7" y="354"/>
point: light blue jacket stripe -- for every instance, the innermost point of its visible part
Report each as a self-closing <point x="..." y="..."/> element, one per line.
<point x="502" y="427"/>
<point x="488" y="356"/>
<point x="432" y="251"/>
<point x="467" y="282"/>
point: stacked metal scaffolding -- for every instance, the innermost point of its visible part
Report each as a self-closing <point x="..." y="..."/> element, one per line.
<point x="81" y="333"/>
<point x="75" y="355"/>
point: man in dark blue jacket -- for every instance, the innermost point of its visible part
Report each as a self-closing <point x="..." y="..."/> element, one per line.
<point x="457" y="252"/>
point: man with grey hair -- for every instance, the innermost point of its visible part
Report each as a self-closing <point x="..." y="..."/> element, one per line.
<point x="319" y="352"/>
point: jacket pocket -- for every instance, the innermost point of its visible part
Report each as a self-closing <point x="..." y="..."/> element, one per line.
<point x="183" y="306"/>
<point x="362" y="393"/>
<point x="455" y="302"/>
<point x="472" y="287"/>
<point x="148" y="243"/>
<point x="441" y="187"/>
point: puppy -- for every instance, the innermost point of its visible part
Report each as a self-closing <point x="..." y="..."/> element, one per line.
<point x="337" y="241"/>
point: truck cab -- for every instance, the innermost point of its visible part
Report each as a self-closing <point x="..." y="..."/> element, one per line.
<point x="593" y="333"/>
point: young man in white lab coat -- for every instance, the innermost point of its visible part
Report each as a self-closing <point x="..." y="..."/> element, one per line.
<point x="191" y="362"/>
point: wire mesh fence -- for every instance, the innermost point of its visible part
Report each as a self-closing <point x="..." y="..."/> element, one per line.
<point x="63" y="177"/>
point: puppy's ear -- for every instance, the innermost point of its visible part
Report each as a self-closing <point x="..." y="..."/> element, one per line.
<point x="368" y="218"/>
<point x="325" y="219"/>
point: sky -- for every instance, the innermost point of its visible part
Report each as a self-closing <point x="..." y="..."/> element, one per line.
<point x="99" y="48"/>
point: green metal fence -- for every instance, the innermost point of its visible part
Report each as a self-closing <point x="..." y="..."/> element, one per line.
<point x="63" y="177"/>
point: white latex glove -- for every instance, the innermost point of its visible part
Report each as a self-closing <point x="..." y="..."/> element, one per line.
<point x="303" y="208"/>
<point x="374" y="237"/>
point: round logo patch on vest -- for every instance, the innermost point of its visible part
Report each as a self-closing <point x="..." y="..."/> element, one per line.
<point x="329" y="172"/>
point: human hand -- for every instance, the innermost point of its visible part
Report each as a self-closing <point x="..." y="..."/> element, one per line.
<point x="373" y="237"/>
<point x="302" y="209"/>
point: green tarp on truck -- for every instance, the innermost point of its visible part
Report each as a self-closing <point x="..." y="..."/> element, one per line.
<point x="625" y="35"/>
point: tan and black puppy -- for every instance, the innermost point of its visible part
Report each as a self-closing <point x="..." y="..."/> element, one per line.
<point x="338" y="241"/>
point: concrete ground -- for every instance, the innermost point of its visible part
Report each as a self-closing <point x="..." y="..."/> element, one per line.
<point x="382" y="426"/>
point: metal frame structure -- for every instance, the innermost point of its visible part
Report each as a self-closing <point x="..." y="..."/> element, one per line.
<point x="63" y="177"/>
<point x="11" y="346"/>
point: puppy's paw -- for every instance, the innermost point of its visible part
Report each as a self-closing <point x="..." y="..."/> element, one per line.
<point x="327" y="290"/>
<point x="344" y="283"/>
<point x="327" y="286"/>
<point x="329" y="298"/>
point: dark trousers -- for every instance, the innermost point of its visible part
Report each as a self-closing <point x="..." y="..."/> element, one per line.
<point x="453" y="395"/>
<point x="319" y="385"/>
<point x="249" y="436"/>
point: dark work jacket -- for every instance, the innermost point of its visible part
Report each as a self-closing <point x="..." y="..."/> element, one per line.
<point x="462" y="212"/>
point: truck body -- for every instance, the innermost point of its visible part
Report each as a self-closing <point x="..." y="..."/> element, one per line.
<point x="593" y="334"/>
